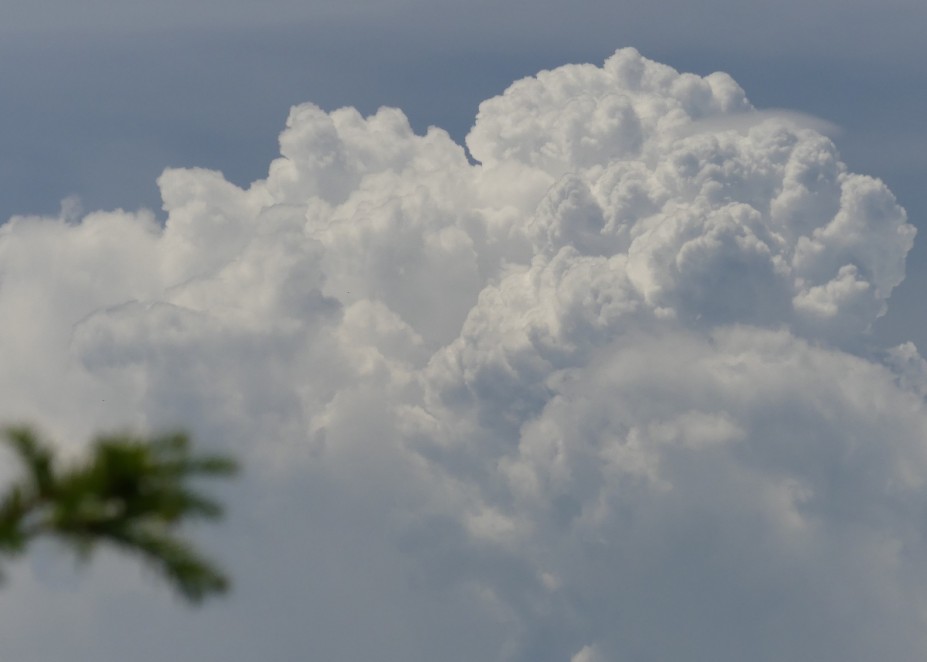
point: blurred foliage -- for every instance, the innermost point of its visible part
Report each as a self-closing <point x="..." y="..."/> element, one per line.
<point x="131" y="492"/>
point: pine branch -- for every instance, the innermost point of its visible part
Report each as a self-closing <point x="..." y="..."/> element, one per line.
<point x="132" y="493"/>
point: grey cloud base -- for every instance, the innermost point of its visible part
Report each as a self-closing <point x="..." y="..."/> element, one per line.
<point x="606" y="394"/>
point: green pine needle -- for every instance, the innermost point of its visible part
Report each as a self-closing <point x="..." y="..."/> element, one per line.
<point x="131" y="492"/>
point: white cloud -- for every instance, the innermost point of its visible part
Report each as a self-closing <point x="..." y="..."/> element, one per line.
<point x="599" y="396"/>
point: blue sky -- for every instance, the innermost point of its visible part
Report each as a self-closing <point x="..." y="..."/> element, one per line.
<point x="101" y="96"/>
<point x="624" y="390"/>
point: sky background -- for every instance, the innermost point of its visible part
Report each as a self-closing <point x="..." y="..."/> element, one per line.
<point x="100" y="97"/>
<point x="406" y="497"/>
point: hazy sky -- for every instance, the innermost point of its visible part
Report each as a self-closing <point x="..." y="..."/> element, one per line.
<point x="615" y="363"/>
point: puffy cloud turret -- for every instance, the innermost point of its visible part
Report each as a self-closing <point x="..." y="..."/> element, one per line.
<point x="599" y="393"/>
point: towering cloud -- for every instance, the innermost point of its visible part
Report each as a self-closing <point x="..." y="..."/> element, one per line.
<point x="601" y="391"/>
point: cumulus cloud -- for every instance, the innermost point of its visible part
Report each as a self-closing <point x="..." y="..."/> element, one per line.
<point x="602" y="391"/>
